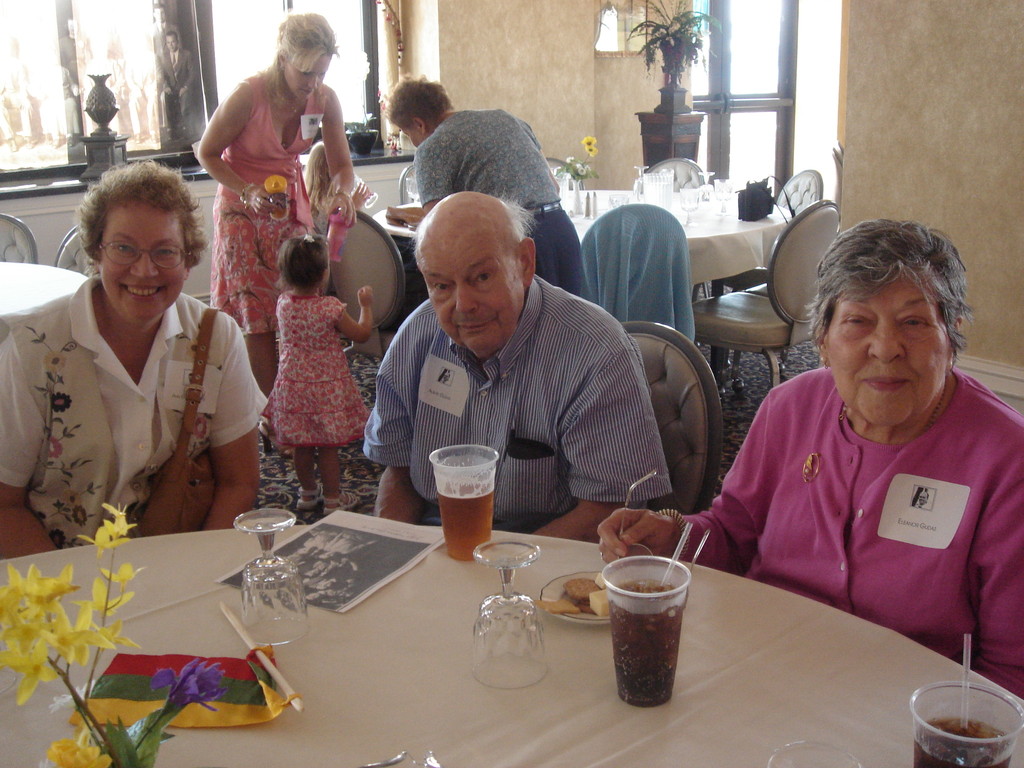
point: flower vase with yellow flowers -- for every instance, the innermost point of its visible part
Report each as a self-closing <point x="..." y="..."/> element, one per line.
<point x="41" y="642"/>
<point x="576" y="171"/>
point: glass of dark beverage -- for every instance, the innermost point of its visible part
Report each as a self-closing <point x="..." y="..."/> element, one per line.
<point x="951" y="729"/>
<point x="646" y="599"/>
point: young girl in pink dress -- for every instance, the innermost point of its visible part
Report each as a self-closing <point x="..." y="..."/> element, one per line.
<point x="315" y="406"/>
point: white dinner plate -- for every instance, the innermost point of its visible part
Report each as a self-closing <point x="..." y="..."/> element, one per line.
<point x="555" y="589"/>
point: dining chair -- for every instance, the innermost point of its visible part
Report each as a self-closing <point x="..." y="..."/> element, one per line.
<point x="688" y="412"/>
<point x="409" y="172"/>
<point x="636" y="265"/>
<point x="17" y="243"/>
<point x="688" y="173"/>
<point x="71" y="255"/>
<point x="802" y="189"/>
<point x="746" y="321"/>
<point x="370" y="257"/>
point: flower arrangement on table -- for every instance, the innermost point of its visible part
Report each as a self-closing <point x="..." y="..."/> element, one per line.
<point x="42" y="643"/>
<point x="578" y="170"/>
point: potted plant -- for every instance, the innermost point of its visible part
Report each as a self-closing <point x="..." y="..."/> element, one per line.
<point x="678" y="35"/>
<point x="361" y="136"/>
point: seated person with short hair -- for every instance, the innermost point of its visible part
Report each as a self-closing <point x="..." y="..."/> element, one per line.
<point x="499" y="357"/>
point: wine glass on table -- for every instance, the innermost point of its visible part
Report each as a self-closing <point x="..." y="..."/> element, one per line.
<point x="723" y="193"/>
<point x="273" y="597"/>
<point x="706" y="188"/>
<point x="412" y="190"/>
<point x="508" y="637"/>
<point x="690" y="202"/>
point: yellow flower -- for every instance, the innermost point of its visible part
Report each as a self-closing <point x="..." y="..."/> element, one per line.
<point x="112" y="634"/>
<point x="67" y="753"/>
<point x="113" y="533"/>
<point x="40" y="594"/>
<point x="74" y="643"/>
<point x="590" y="144"/>
<point x="33" y="666"/>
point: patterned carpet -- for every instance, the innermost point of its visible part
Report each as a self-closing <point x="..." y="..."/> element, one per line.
<point x="279" y="487"/>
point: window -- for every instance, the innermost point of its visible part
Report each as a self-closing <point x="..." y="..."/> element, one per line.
<point x="49" y="50"/>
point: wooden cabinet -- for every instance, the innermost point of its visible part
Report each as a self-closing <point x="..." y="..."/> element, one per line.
<point x="666" y="136"/>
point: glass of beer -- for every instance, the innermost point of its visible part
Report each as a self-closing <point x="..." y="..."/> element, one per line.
<point x="464" y="475"/>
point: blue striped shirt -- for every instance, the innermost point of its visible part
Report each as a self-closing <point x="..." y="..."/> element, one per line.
<point x="570" y="378"/>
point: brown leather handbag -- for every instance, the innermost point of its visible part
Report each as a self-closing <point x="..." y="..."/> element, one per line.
<point x="182" y="491"/>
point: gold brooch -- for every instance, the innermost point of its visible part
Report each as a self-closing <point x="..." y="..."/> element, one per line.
<point x="811" y="466"/>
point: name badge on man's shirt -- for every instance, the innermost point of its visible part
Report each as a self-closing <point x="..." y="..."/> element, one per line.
<point x="176" y="379"/>
<point x="310" y="125"/>
<point x="444" y="385"/>
<point x="922" y="511"/>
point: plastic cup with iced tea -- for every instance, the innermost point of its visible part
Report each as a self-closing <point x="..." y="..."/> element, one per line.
<point x="646" y="619"/>
<point x="464" y="475"/>
<point x="943" y="739"/>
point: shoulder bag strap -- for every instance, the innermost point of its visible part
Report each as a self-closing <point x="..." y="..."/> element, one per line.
<point x="194" y="390"/>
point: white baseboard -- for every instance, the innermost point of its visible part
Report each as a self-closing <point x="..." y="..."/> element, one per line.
<point x="1007" y="381"/>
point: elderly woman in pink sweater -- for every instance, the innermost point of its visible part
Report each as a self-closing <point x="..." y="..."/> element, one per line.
<point x="888" y="484"/>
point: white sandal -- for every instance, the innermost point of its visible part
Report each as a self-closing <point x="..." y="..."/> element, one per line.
<point x="309" y="499"/>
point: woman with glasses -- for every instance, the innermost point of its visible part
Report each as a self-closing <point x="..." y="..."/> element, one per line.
<point x="93" y="383"/>
<point x="257" y="133"/>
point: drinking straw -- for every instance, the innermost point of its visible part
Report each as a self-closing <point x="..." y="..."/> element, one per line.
<point x="965" y="687"/>
<point x="684" y="536"/>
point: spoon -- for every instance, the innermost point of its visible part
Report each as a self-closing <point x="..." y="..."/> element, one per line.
<point x="390" y="761"/>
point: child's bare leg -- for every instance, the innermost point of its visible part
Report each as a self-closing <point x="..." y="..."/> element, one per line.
<point x="329" y="463"/>
<point x="305" y="468"/>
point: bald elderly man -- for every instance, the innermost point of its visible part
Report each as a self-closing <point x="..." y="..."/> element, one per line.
<point x="500" y="357"/>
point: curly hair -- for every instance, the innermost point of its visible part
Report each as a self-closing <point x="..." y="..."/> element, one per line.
<point x="872" y="255"/>
<point x="417" y="97"/>
<point x="302" y="38"/>
<point x="145" y="182"/>
<point x="302" y="261"/>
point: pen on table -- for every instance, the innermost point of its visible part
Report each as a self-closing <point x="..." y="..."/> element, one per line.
<point x="268" y="665"/>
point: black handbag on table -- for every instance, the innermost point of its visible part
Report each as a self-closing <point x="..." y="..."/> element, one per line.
<point x="756" y="201"/>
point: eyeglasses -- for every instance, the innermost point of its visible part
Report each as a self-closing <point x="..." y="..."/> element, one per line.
<point x="164" y="257"/>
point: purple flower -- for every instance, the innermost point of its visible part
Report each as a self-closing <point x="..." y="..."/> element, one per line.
<point x="198" y="683"/>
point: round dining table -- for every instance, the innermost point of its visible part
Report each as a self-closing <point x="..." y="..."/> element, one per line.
<point x="24" y="286"/>
<point x="758" y="668"/>
<point x="720" y="245"/>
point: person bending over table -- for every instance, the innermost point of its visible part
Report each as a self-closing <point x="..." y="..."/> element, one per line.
<point x="94" y="382"/>
<point x="259" y="131"/>
<point x="502" y="358"/>
<point x="489" y="151"/>
<point x="888" y="483"/>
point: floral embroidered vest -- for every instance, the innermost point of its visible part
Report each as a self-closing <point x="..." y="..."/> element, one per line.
<point x="76" y="469"/>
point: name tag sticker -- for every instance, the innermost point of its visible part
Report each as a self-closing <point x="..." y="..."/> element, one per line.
<point x="922" y="511"/>
<point x="176" y="379"/>
<point x="444" y="385"/>
<point x="310" y="125"/>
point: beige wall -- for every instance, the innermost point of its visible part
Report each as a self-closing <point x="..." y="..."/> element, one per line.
<point x="536" y="59"/>
<point x="934" y="125"/>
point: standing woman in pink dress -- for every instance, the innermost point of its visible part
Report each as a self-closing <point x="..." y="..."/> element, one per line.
<point x="259" y="131"/>
<point x="315" y="406"/>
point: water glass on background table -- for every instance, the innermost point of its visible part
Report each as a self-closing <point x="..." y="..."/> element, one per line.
<point x="723" y="192"/>
<point x="464" y="475"/>
<point x="646" y="619"/>
<point x="689" y="199"/>
<point x="951" y="729"/>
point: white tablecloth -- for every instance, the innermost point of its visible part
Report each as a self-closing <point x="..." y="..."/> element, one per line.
<point x="23" y="286"/>
<point x="720" y="246"/>
<point x="758" y="667"/>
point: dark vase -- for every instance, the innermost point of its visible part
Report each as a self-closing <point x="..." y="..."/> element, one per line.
<point x="362" y="141"/>
<point x="101" y="105"/>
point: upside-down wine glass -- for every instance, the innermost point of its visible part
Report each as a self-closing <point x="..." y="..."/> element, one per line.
<point x="273" y="597"/>
<point x="723" y="191"/>
<point x="508" y="637"/>
<point x="372" y="199"/>
<point x="706" y="189"/>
